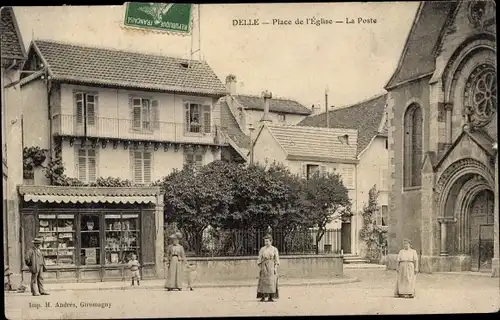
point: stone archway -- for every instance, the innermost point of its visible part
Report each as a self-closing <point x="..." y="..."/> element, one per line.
<point x="460" y="189"/>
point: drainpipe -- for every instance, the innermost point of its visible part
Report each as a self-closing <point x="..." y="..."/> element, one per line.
<point x="49" y="92"/>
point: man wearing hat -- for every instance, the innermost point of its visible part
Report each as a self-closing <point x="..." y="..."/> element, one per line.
<point x="36" y="264"/>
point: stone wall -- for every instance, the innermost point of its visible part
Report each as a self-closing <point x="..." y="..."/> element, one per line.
<point x="215" y="269"/>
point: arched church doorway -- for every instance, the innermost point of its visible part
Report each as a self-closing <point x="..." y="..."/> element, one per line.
<point x="481" y="219"/>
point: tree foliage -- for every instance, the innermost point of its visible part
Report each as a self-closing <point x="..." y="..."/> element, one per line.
<point x="230" y="196"/>
<point x="374" y="236"/>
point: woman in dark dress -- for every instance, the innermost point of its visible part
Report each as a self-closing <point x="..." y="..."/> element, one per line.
<point x="268" y="277"/>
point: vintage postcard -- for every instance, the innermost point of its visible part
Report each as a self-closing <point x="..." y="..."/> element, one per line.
<point x="166" y="160"/>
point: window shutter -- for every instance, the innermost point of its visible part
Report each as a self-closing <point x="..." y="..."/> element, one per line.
<point x="188" y="158"/>
<point x="207" y="119"/>
<point x="135" y="109"/>
<point x="79" y="107"/>
<point x="147" y="165"/>
<point x="90" y="105"/>
<point x="132" y="165"/>
<point x="82" y="165"/>
<point x="186" y="116"/>
<point x="155" y="114"/>
<point x="198" y="161"/>
<point x="304" y="170"/>
<point x="138" y="177"/>
<point x="92" y="165"/>
<point x="148" y="236"/>
<point x="322" y="170"/>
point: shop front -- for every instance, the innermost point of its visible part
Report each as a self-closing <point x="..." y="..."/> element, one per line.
<point x="90" y="234"/>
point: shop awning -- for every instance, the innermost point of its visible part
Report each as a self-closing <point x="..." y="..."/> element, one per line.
<point x="57" y="194"/>
<point x="82" y="199"/>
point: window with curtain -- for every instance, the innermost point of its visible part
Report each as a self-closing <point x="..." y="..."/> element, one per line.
<point x="413" y="146"/>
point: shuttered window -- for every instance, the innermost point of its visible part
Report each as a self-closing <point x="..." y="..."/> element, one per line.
<point x="86" y="108"/>
<point x="193" y="159"/>
<point x="141" y="166"/>
<point x="348" y="176"/>
<point x="198" y="118"/>
<point x="144" y="114"/>
<point x="87" y="165"/>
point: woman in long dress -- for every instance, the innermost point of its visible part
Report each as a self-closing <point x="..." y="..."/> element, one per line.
<point x="175" y="259"/>
<point x="268" y="277"/>
<point x="407" y="268"/>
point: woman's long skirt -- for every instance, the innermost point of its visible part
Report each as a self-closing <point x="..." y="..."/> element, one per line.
<point x="405" y="284"/>
<point x="268" y="280"/>
<point x="174" y="274"/>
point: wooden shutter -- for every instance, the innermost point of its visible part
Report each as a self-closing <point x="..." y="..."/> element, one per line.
<point x="138" y="166"/>
<point x="322" y="170"/>
<point x="188" y="158"/>
<point x="304" y="170"/>
<point x="147" y="167"/>
<point x="82" y="164"/>
<point x="92" y="164"/>
<point x="148" y="237"/>
<point x="132" y="165"/>
<point x="91" y="109"/>
<point x="136" y="107"/>
<point x="186" y="117"/>
<point x="155" y="110"/>
<point x="79" y="107"/>
<point x="29" y="228"/>
<point x="198" y="161"/>
<point x="207" y="119"/>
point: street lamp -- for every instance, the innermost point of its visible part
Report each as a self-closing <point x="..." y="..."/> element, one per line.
<point x="251" y="129"/>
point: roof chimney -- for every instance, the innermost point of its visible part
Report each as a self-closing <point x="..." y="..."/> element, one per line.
<point x="267" y="96"/>
<point x="231" y="84"/>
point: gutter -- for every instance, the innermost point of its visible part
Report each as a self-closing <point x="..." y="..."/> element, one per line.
<point x="14" y="63"/>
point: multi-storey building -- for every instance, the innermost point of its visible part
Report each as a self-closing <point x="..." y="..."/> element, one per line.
<point x="110" y="113"/>
<point x="13" y="55"/>
<point x="442" y="111"/>
<point x="370" y="166"/>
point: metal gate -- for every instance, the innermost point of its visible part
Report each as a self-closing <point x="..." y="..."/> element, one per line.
<point x="485" y="254"/>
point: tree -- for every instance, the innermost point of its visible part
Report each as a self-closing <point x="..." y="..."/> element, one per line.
<point x="374" y="236"/>
<point x="196" y="199"/>
<point x="325" y="198"/>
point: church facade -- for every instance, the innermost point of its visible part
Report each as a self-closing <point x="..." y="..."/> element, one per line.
<point x="443" y="162"/>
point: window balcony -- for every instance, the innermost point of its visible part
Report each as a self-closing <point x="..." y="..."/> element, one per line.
<point x="126" y="129"/>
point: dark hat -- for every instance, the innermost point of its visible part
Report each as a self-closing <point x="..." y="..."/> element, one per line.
<point x="38" y="240"/>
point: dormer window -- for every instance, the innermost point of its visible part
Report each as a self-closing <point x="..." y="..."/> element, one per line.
<point x="281" y="117"/>
<point x="185" y="65"/>
<point x="344" y="139"/>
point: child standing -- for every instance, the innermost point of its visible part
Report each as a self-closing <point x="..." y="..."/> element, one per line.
<point x="191" y="270"/>
<point x="134" y="265"/>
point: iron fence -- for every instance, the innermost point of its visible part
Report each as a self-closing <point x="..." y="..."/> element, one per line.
<point x="231" y="243"/>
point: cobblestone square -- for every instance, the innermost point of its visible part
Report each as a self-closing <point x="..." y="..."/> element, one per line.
<point x="436" y="293"/>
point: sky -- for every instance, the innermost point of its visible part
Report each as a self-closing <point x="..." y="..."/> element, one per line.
<point x="354" y="61"/>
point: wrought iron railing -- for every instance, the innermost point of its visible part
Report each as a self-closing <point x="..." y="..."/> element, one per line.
<point x="115" y="128"/>
<point x="230" y="243"/>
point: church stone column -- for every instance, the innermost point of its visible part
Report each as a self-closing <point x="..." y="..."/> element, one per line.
<point x="444" y="221"/>
<point x="496" y="255"/>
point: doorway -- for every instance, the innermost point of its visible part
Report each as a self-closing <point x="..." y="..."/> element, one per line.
<point x="481" y="217"/>
<point x="345" y="243"/>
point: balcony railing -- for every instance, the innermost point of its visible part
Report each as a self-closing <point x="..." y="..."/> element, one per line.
<point x="126" y="129"/>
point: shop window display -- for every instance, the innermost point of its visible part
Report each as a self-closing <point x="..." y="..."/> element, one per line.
<point x="58" y="232"/>
<point x="121" y="237"/>
<point x="90" y="245"/>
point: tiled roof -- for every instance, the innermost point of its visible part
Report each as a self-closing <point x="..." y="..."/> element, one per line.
<point x="417" y="58"/>
<point x="365" y="116"/>
<point x="315" y="142"/>
<point x="275" y="105"/>
<point x="12" y="45"/>
<point x="89" y="191"/>
<point x="71" y="62"/>
<point x="231" y="128"/>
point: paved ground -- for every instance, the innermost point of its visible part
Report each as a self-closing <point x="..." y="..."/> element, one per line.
<point x="436" y="293"/>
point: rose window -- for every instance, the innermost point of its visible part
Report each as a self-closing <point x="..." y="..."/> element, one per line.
<point x="481" y="95"/>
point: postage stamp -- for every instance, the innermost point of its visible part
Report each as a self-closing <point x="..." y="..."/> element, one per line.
<point x="171" y="17"/>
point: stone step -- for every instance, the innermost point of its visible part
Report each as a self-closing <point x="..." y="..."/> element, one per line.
<point x="370" y="266"/>
<point x="354" y="261"/>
